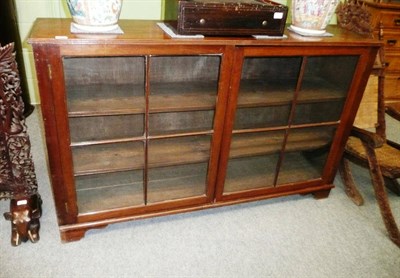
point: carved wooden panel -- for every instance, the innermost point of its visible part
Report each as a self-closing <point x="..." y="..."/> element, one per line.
<point x="17" y="175"/>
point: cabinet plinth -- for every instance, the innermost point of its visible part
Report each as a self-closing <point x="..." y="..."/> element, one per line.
<point x="140" y="125"/>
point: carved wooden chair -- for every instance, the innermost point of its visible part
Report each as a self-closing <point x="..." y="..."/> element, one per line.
<point x="373" y="150"/>
<point x="368" y="146"/>
<point x="17" y="173"/>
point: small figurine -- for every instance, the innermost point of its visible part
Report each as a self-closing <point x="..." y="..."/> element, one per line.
<point x="24" y="216"/>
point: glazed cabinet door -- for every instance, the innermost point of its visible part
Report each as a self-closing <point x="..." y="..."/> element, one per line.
<point x="106" y="112"/>
<point x="285" y="111"/>
<point x="144" y="129"/>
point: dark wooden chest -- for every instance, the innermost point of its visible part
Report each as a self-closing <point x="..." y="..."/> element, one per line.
<point x="227" y="17"/>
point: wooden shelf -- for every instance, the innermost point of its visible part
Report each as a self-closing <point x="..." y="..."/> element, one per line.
<point x="105" y="99"/>
<point x="254" y="144"/>
<point x="107" y="158"/>
<point x="262" y="93"/>
<point x="109" y="191"/>
<point x="101" y="99"/>
<point x="319" y="90"/>
<point x="308" y="139"/>
<point x="110" y="197"/>
<point x="298" y="166"/>
<point x="259" y="172"/>
<point x="125" y="189"/>
<point x="112" y="99"/>
<point x="255" y="93"/>
<point x="182" y="96"/>
<point x="179" y="151"/>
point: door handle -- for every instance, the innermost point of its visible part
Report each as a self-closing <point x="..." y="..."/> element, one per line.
<point x="391" y="42"/>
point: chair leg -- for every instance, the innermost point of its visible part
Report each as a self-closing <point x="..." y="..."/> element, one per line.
<point x="349" y="185"/>
<point x="381" y="196"/>
<point x="393" y="185"/>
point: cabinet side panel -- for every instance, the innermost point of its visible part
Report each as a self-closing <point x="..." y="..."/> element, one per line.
<point x="43" y="55"/>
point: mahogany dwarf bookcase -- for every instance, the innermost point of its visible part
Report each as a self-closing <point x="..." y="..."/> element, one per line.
<point x="140" y="124"/>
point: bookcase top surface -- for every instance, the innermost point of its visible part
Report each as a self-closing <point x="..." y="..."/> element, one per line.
<point x="57" y="31"/>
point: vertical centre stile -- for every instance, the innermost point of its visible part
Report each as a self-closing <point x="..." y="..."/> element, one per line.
<point x="146" y="128"/>
<point x="291" y="117"/>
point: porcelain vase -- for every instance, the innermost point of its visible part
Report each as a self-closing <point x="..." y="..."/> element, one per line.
<point x="95" y="14"/>
<point x="312" y="16"/>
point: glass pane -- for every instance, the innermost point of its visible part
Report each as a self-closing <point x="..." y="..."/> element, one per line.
<point x="268" y="81"/>
<point x="332" y="74"/>
<point x="305" y="154"/>
<point x="324" y="88"/>
<point x="109" y="191"/>
<point x="169" y="183"/>
<point x="104" y="85"/>
<point x="250" y="173"/>
<point x="260" y="143"/>
<point x="262" y="117"/>
<point x="318" y="112"/>
<point x="178" y="167"/>
<point x="175" y="68"/>
<point x="108" y="157"/>
<point x="255" y="93"/>
<point x="181" y="122"/>
<point x="266" y="91"/>
<point x="175" y="88"/>
<point x="181" y="101"/>
<point x="178" y="151"/>
<point x="106" y="127"/>
<point x="253" y="160"/>
<point x="270" y="71"/>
